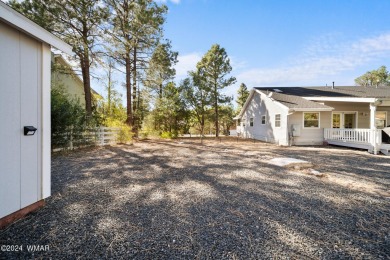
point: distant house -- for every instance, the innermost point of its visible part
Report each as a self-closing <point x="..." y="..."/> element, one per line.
<point x="24" y="113"/>
<point x="348" y="116"/>
<point x="65" y="78"/>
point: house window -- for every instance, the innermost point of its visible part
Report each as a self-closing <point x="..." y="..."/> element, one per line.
<point x="263" y="120"/>
<point x="277" y="120"/>
<point x="311" y="120"/>
<point x="251" y="121"/>
<point x="380" y="119"/>
<point x="336" y="120"/>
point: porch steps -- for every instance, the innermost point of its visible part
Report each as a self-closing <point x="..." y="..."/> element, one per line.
<point x="385" y="149"/>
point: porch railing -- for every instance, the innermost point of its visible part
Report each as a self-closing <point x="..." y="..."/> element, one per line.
<point x="368" y="136"/>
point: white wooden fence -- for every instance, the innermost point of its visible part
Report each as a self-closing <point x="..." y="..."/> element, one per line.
<point x="95" y="136"/>
<point x="107" y="135"/>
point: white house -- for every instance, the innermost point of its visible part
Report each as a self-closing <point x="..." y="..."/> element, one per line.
<point x="25" y="64"/>
<point x="349" y="116"/>
<point x="65" y="78"/>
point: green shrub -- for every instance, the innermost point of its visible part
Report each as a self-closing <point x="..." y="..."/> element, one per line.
<point x="67" y="117"/>
<point x="169" y="135"/>
<point x="125" y="134"/>
<point x="144" y="134"/>
<point x="166" y="135"/>
<point x="148" y="128"/>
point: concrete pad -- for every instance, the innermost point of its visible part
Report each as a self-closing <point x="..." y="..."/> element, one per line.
<point x="290" y="163"/>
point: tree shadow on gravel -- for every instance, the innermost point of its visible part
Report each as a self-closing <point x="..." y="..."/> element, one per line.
<point x="170" y="200"/>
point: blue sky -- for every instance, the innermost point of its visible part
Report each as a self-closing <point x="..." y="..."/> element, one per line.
<point x="281" y="42"/>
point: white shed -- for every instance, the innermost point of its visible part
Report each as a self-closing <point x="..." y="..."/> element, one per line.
<point x="25" y="64"/>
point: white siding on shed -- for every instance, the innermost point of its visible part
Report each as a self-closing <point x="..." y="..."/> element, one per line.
<point x="10" y="132"/>
<point x="24" y="101"/>
<point x="24" y="81"/>
<point x="30" y="85"/>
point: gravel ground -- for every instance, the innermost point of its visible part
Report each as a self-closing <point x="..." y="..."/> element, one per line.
<point x="183" y="200"/>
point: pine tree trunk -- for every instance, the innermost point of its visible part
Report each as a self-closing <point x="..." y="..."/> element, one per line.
<point x="129" y="119"/>
<point x="84" y="62"/>
<point x="202" y="126"/>
<point x="216" y="111"/>
<point x="109" y="89"/>
<point x="138" y="104"/>
<point x="135" y="126"/>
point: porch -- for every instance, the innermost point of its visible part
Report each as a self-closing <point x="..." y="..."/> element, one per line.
<point x="370" y="139"/>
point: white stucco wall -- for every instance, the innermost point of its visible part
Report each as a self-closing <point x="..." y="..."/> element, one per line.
<point x="258" y="106"/>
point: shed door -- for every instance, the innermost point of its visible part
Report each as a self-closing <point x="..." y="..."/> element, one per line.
<point x="20" y="72"/>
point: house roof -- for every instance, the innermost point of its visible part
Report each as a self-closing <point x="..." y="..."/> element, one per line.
<point x="20" y="22"/>
<point x="295" y="103"/>
<point x="290" y="102"/>
<point x="338" y="92"/>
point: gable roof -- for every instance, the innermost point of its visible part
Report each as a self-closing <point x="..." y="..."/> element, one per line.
<point x="20" y="22"/>
<point x="291" y="103"/>
<point x="339" y="91"/>
<point x="295" y="103"/>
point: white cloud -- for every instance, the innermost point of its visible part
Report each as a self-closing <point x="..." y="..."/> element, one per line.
<point x="236" y="63"/>
<point x="186" y="63"/>
<point x="322" y="58"/>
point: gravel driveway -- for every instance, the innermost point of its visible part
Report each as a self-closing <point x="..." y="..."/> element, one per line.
<point x="183" y="200"/>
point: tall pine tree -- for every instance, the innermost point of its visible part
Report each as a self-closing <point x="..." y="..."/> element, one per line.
<point x="161" y="68"/>
<point x="76" y="22"/>
<point x="135" y="27"/>
<point x="214" y="70"/>
<point x="242" y="95"/>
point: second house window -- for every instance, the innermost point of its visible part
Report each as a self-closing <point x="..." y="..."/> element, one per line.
<point x="277" y="120"/>
<point x="263" y="120"/>
<point x="311" y="120"/>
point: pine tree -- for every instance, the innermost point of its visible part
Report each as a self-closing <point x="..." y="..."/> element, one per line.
<point x="161" y="67"/>
<point x="242" y="95"/>
<point x="76" y="22"/>
<point x="214" y="69"/>
<point x="197" y="97"/>
<point x="41" y="12"/>
<point x="135" y="27"/>
<point x="379" y="77"/>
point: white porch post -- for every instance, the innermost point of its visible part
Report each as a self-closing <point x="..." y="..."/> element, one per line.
<point x="373" y="128"/>
<point x="372" y="116"/>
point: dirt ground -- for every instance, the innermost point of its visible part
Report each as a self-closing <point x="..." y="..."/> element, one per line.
<point x="223" y="198"/>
